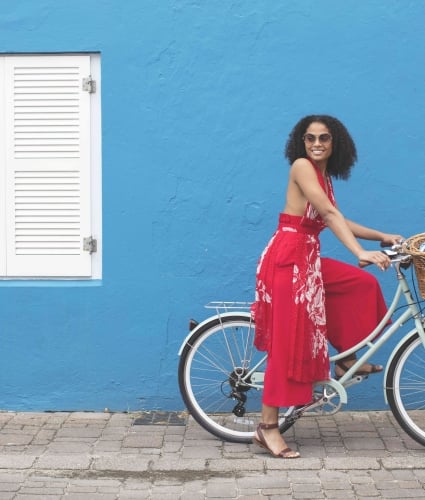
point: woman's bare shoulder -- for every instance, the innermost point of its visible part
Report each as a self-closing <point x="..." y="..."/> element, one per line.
<point x="301" y="165"/>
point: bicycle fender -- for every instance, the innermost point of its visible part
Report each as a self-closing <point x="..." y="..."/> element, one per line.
<point x="211" y="319"/>
<point x="396" y="348"/>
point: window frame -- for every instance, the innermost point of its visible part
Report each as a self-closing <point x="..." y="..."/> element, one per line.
<point x="95" y="208"/>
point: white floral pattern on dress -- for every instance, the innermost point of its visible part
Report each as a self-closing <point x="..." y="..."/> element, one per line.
<point x="309" y="291"/>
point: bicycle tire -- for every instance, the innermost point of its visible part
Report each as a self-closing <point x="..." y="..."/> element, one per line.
<point x="405" y="387"/>
<point x="208" y="381"/>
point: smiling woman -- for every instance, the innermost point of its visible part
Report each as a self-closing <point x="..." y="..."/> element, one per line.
<point x="318" y="144"/>
<point x="302" y="300"/>
<point x="344" y="154"/>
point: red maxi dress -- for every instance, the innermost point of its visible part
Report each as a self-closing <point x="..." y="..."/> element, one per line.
<point x="302" y="301"/>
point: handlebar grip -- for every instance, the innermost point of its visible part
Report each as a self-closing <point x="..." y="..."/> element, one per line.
<point x="388" y="253"/>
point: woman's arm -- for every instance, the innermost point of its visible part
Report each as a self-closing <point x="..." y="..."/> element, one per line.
<point x="305" y="177"/>
<point x="366" y="233"/>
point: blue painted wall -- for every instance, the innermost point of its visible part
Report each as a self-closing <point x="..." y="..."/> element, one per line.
<point x="197" y="100"/>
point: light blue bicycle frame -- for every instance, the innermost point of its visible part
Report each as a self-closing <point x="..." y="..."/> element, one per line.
<point x="374" y="341"/>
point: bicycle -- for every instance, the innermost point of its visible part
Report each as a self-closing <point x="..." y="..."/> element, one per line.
<point x="221" y="374"/>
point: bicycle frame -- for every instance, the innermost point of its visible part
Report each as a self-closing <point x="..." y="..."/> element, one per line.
<point x="412" y="311"/>
<point x="374" y="341"/>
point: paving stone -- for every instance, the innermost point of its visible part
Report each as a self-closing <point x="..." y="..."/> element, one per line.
<point x="270" y="479"/>
<point x="67" y="462"/>
<point x="196" y="496"/>
<point x="36" y="496"/>
<point x="28" y="490"/>
<point x="195" y="452"/>
<point x="350" y="463"/>
<point x="221" y="488"/>
<point x="120" y="462"/>
<point x="15" y="439"/>
<point x="295" y="464"/>
<point x="137" y="495"/>
<point x="67" y="447"/>
<point x="369" y="491"/>
<point x="143" y="440"/>
<point x="173" y="464"/>
<point x="252" y="464"/>
<point x="403" y="463"/>
<point x="4" y="487"/>
<point x="107" y="446"/>
<point x="93" y="496"/>
<point x="16" y="462"/>
<point x="7" y="496"/>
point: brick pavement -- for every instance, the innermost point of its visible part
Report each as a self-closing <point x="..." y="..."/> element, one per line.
<point x="154" y="455"/>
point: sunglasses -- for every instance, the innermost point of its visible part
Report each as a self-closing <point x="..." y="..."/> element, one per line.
<point x="311" y="138"/>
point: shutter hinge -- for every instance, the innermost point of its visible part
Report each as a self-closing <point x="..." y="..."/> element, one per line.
<point x="89" y="85"/>
<point x="90" y="244"/>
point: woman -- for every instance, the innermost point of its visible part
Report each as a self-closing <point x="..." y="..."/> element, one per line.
<point x="303" y="300"/>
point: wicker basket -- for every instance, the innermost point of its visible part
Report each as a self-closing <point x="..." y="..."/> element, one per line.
<point x="411" y="246"/>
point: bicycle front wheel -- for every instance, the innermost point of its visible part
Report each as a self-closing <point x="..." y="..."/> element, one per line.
<point x="405" y="387"/>
<point x="221" y="377"/>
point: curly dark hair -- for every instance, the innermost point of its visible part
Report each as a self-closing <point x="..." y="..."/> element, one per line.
<point x="344" y="153"/>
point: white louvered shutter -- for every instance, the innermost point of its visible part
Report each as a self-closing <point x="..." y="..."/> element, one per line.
<point x="47" y="166"/>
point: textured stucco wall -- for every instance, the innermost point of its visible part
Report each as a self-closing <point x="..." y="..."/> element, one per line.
<point x="197" y="100"/>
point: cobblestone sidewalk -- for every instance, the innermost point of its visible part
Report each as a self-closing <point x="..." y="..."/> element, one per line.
<point x="154" y="455"/>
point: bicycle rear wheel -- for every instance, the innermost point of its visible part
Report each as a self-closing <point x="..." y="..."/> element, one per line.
<point x="405" y="387"/>
<point x="216" y="382"/>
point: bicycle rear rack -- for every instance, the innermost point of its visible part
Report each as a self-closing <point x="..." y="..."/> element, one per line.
<point x="221" y="306"/>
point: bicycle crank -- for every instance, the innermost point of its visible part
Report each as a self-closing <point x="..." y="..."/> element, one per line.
<point x="328" y="397"/>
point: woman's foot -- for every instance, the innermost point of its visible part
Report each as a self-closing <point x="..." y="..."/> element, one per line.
<point x="343" y="365"/>
<point x="268" y="437"/>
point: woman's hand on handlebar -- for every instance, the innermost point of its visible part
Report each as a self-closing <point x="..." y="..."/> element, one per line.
<point x="388" y="240"/>
<point x="378" y="258"/>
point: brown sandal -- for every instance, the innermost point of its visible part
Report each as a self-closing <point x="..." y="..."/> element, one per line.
<point x="285" y="453"/>
<point x="352" y="357"/>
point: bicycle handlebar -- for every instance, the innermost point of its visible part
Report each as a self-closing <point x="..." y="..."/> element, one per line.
<point x="393" y="252"/>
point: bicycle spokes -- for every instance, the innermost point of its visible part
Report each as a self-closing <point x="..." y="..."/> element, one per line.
<point x="220" y="378"/>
